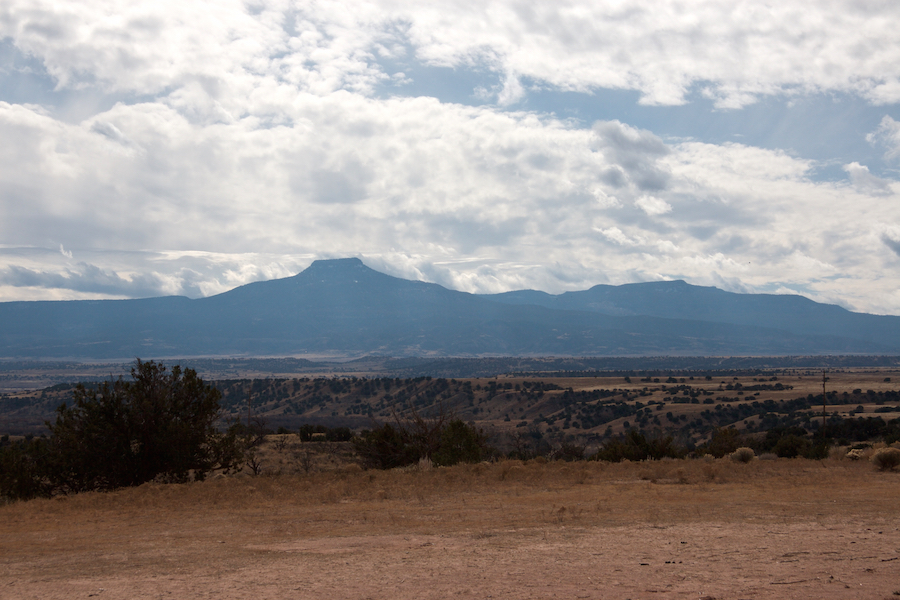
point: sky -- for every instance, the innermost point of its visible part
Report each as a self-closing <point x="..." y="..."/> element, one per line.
<point x="186" y="148"/>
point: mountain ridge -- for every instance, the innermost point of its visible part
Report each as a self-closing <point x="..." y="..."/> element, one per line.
<point x="343" y="307"/>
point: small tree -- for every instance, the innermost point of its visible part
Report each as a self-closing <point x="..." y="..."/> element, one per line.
<point x="635" y="446"/>
<point x="460" y="442"/>
<point x="386" y="447"/>
<point x="21" y="468"/>
<point x="724" y="440"/>
<point x="161" y="424"/>
<point x="443" y="442"/>
<point x="791" y="446"/>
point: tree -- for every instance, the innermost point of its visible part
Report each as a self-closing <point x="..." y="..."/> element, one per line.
<point x="444" y="441"/>
<point x="724" y="440"/>
<point x="386" y="447"/>
<point x="460" y="442"/>
<point x="160" y="425"/>
<point x="21" y="468"/>
<point x="635" y="446"/>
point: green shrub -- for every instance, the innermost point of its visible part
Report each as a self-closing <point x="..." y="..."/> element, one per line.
<point x="791" y="446"/>
<point x="635" y="446"/>
<point x="21" y="468"/>
<point x="724" y="440"/>
<point x="159" y="425"/>
<point x="385" y="447"/>
<point x="460" y="443"/>
<point x="444" y="442"/>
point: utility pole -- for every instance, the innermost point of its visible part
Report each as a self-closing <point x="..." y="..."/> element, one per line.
<point x="824" y="415"/>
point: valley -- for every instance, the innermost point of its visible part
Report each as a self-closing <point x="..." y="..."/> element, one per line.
<point x="536" y="415"/>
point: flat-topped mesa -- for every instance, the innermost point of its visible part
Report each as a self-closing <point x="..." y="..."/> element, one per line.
<point x="337" y="269"/>
<point x="343" y="307"/>
<point x="336" y="264"/>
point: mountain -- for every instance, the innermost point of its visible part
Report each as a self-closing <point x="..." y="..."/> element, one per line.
<point x="680" y="300"/>
<point x="343" y="307"/>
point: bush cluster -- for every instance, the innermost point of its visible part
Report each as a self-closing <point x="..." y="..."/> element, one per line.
<point x="743" y="455"/>
<point x="886" y="459"/>
<point x="160" y="425"/>
<point x="636" y="446"/>
<point x="443" y="441"/>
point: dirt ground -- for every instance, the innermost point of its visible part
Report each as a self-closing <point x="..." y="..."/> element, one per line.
<point x="672" y="529"/>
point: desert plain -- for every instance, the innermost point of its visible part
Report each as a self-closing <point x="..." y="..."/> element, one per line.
<point x="694" y="528"/>
<point x="315" y="525"/>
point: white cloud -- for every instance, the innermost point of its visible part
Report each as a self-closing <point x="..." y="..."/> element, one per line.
<point x="653" y="206"/>
<point x="512" y="91"/>
<point x="887" y="134"/>
<point x="663" y="48"/>
<point x="414" y="178"/>
<point x="865" y="182"/>
<point x="734" y="52"/>
<point x="247" y="143"/>
<point x="634" y="153"/>
<point x="29" y="273"/>
<point x="616" y="235"/>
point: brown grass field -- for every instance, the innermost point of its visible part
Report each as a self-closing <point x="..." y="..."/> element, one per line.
<point x="787" y="528"/>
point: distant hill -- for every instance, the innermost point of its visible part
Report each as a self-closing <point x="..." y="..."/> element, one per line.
<point x="680" y="300"/>
<point x="343" y="307"/>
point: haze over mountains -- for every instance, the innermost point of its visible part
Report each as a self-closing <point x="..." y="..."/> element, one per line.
<point x="342" y="307"/>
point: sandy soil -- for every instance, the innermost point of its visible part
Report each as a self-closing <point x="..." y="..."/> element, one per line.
<point x="807" y="560"/>
<point x="551" y="532"/>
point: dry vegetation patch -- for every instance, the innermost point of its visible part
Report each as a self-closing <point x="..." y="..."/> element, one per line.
<point x="762" y="529"/>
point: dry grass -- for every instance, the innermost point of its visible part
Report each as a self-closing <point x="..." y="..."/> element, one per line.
<point x="285" y="454"/>
<point x="481" y="497"/>
<point x="204" y="531"/>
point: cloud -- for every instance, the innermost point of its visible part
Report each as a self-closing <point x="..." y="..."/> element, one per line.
<point x="887" y="135"/>
<point x="84" y="278"/>
<point x="37" y="273"/>
<point x="234" y="144"/>
<point x="635" y="152"/>
<point x="512" y="91"/>
<point x="110" y="131"/>
<point x="616" y="235"/>
<point x="892" y="243"/>
<point x="734" y="54"/>
<point x="890" y="236"/>
<point x="414" y="181"/>
<point x="865" y="182"/>
<point x="653" y="206"/>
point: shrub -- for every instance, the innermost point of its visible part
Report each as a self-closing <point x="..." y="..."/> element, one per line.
<point x="406" y="443"/>
<point x="385" y="447"/>
<point x="791" y="446"/>
<point x="569" y="452"/>
<point x="724" y="440"/>
<point x="460" y="443"/>
<point x="743" y="455"/>
<point x="886" y="459"/>
<point x="855" y="453"/>
<point x="21" y="465"/>
<point x="160" y="425"/>
<point x="635" y="446"/>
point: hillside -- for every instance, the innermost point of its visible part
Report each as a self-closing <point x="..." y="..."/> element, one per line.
<point x="342" y="308"/>
<point x="545" y="412"/>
